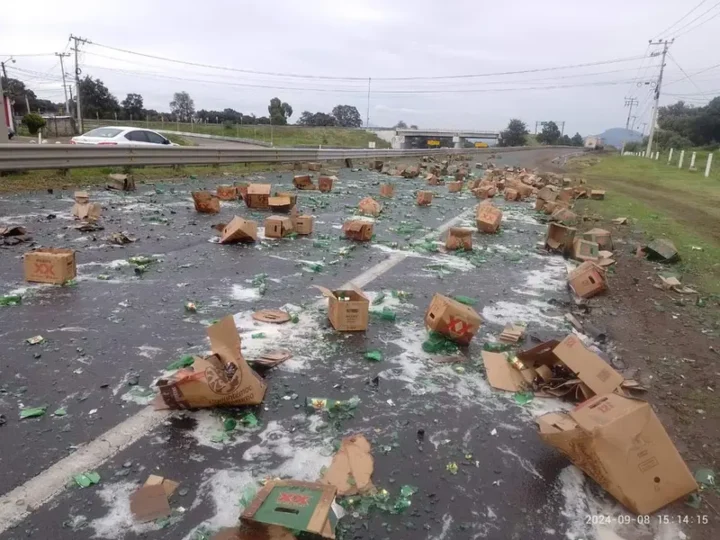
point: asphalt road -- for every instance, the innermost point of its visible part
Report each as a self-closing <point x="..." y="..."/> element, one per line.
<point x="110" y="336"/>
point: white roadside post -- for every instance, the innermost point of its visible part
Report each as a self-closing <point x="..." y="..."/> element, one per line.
<point x="682" y="157"/>
<point x="657" y="155"/>
<point x="708" y="165"/>
<point x="692" y="162"/>
<point x="670" y="156"/>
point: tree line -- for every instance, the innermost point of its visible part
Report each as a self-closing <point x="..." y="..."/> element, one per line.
<point x="516" y="134"/>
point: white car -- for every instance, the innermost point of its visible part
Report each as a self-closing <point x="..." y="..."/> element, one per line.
<point x="122" y="136"/>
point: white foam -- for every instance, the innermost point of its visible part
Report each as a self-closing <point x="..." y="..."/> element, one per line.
<point x="119" y="519"/>
<point x="209" y="425"/>
<point x="504" y="312"/>
<point x="148" y="351"/>
<point x="245" y="294"/>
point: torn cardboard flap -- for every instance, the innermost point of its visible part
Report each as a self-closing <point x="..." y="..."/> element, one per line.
<point x="168" y="485"/>
<point x="149" y="503"/>
<point x="351" y="468"/>
<point x="592" y="370"/>
<point x="239" y="230"/>
<point x="512" y="333"/>
<point x="621" y="444"/>
<point x="502" y="375"/>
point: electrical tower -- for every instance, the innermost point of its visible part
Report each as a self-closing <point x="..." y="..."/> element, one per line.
<point x="630" y="102"/>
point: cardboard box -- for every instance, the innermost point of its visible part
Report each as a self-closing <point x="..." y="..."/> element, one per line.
<point x="258" y="196"/>
<point x="424" y="198"/>
<point x="358" y="229"/>
<point x="411" y="172"/>
<point x="280" y="204"/>
<point x="50" y="265"/>
<point x="121" y="182"/>
<point x="242" y="188"/>
<point x="298" y="506"/>
<point x="587" y="280"/>
<point x="227" y="193"/>
<point x="563" y="215"/>
<point x="483" y="192"/>
<point x="304" y="224"/>
<point x="567" y="195"/>
<point x="597" y="194"/>
<point x="206" y="202"/>
<point x="84" y="209"/>
<point x="432" y="180"/>
<point x="550" y="207"/>
<point x="594" y="372"/>
<point x="377" y="165"/>
<point x="289" y="195"/>
<point x="239" y="230"/>
<point x="601" y="236"/>
<point x="460" y="175"/>
<point x="313" y="167"/>
<point x="325" y="183"/>
<point x="454" y="187"/>
<point x="620" y="443"/>
<point x="278" y="226"/>
<point x="539" y="204"/>
<point x="303" y="181"/>
<point x="511" y="194"/>
<point x="488" y="218"/>
<point x="585" y="250"/>
<point x="387" y="190"/>
<point x="459" y="238"/>
<point x="452" y="319"/>
<point x="369" y="206"/>
<point x="547" y="194"/>
<point x="221" y="379"/>
<point x="559" y="238"/>
<point x="348" y="310"/>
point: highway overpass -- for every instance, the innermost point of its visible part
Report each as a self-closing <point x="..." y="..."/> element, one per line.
<point x="399" y="138"/>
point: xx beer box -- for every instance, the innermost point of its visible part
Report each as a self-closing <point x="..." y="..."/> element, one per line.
<point x="50" y="265"/>
<point x="452" y="319"/>
<point x="348" y="310"/>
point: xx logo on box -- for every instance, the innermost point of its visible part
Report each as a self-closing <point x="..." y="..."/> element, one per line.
<point x="293" y="498"/>
<point x="458" y="327"/>
<point x="44" y="269"/>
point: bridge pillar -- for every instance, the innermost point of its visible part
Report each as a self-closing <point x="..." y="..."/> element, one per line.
<point x="459" y="141"/>
<point x="398" y="142"/>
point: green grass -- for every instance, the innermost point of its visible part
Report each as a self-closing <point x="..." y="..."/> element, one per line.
<point x="279" y="135"/>
<point x="661" y="201"/>
<point x="179" y="139"/>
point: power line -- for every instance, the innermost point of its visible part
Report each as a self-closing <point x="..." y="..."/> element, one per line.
<point x="675" y="32"/>
<point x="681" y="19"/>
<point x="684" y="73"/>
<point x="698" y="25"/>
<point x="694" y="74"/>
<point x="364" y="79"/>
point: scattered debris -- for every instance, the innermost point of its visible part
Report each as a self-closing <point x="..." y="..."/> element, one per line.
<point x="121" y="182"/>
<point x="32" y="412"/>
<point x="84" y="209"/>
<point x="512" y="333"/>
<point x="271" y="359"/>
<point x="13" y="235"/>
<point x="352" y="466"/>
<point x="35" y="340"/>
<point x="120" y="239"/>
<point x="276" y="316"/>
<point x="459" y="238"/>
<point x="87" y="479"/>
<point x="662" y="250"/>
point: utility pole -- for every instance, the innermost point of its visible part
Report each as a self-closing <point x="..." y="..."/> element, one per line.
<point x="665" y="45"/>
<point x="3" y="121"/>
<point x="78" y="40"/>
<point x="62" y="69"/>
<point x="630" y="102"/>
<point x="367" y="111"/>
<point x="3" y="69"/>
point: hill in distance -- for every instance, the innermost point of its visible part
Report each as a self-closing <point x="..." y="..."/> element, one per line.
<point x="617" y="136"/>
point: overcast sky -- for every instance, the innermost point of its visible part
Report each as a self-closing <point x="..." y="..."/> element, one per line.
<point x="376" y="39"/>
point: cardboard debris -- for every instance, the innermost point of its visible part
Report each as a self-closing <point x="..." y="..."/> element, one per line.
<point x="602" y="237"/>
<point x="358" y="229"/>
<point x="559" y="237"/>
<point x="304" y="224"/>
<point x="258" y="196"/>
<point x="206" y="202"/>
<point x="620" y="443"/>
<point x="565" y="216"/>
<point x="299" y="506"/>
<point x="239" y="230"/>
<point x="585" y="250"/>
<point x="280" y="204"/>
<point x="351" y="468"/>
<point x="411" y="172"/>
<point x="168" y="485"/>
<point x="501" y="374"/>
<point x="369" y="206"/>
<point x="304" y="182"/>
<point x="227" y="193"/>
<point x="120" y="239"/>
<point x="149" y="503"/>
<point x="605" y="259"/>
<point x="315" y="167"/>
<point x="452" y="319"/>
<point x="348" y="310"/>
<point x="511" y="194"/>
<point x="376" y="165"/>
<point x="272" y="358"/>
<point x="325" y="183"/>
<point x="488" y="218"/>
<point x="548" y="194"/>
<point x="454" y="187"/>
<point x="221" y="379"/>
<point x="278" y="226"/>
<point x="242" y="188"/>
<point x="276" y="316"/>
<point x="121" y="182"/>
<point x="662" y="250"/>
<point x="597" y="194"/>
<point x="432" y="180"/>
<point x="13" y="235"/>
<point x="483" y="192"/>
<point x="424" y="198"/>
<point x="50" y="265"/>
<point x="459" y="238"/>
<point x="587" y="280"/>
<point x="673" y="283"/>
<point x="620" y="221"/>
<point x="84" y="209"/>
<point x="566" y="195"/>
<point x="512" y="333"/>
<point x="387" y="190"/>
<point x="89" y="226"/>
<point x="289" y="195"/>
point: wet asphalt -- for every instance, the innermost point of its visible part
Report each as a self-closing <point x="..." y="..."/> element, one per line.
<point x="114" y="332"/>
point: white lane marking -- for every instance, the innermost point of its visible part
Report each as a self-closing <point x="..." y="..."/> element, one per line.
<point x="25" y="499"/>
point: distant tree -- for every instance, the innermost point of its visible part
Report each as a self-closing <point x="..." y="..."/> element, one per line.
<point x="564" y="140"/>
<point x="401" y="125"/>
<point x="347" y="116"/>
<point x="413" y="126"/>
<point x="577" y="140"/>
<point x="132" y="106"/>
<point x="96" y="99"/>
<point x="279" y="112"/>
<point x="515" y="134"/>
<point x="317" y="119"/>
<point x="262" y="120"/>
<point x="182" y="106"/>
<point x="34" y="122"/>
<point x="550" y="134"/>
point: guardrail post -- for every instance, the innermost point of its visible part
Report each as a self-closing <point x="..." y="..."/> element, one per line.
<point x="692" y="162"/>
<point x="708" y="165"/>
<point x="670" y="156"/>
<point x="682" y="157"/>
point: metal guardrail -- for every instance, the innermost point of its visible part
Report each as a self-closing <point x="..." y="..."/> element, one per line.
<point x="21" y="157"/>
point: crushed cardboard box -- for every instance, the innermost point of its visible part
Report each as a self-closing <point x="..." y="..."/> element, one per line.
<point x="221" y="379"/>
<point x="587" y="280"/>
<point x="205" y="202"/>
<point x="620" y="221"/>
<point x="239" y="230"/>
<point x="351" y="468"/>
<point x="84" y="209"/>
<point x="50" y="265"/>
<point x="358" y="229"/>
<point x="411" y="172"/>
<point x="278" y="226"/>
<point x="459" y="238"/>
<point x="597" y="194"/>
<point x="511" y="194"/>
<point x="227" y="193"/>
<point x="348" y="309"/>
<point x="289" y="195"/>
<point x="325" y="183"/>
<point x="424" y="198"/>
<point x="662" y="250"/>
<point x="454" y="187"/>
<point x="312" y="166"/>
<point x="602" y="237"/>
<point x="121" y="182"/>
<point x="501" y="374"/>
<point x="387" y="190"/>
<point x="370" y="207"/>
<point x="432" y="180"/>
<point x="149" y="503"/>
<point x="258" y="196"/>
<point x="303" y="182"/>
<point x="452" y="319"/>
<point x="559" y="238"/>
<point x="488" y="218"/>
<point x="564" y="216"/>
<point x="512" y="333"/>
<point x="620" y="443"/>
<point x="13" y="235"/>
<point x="585" y="250"/>
<point x="304" y="224"/>
<point x="280" y="204"/>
